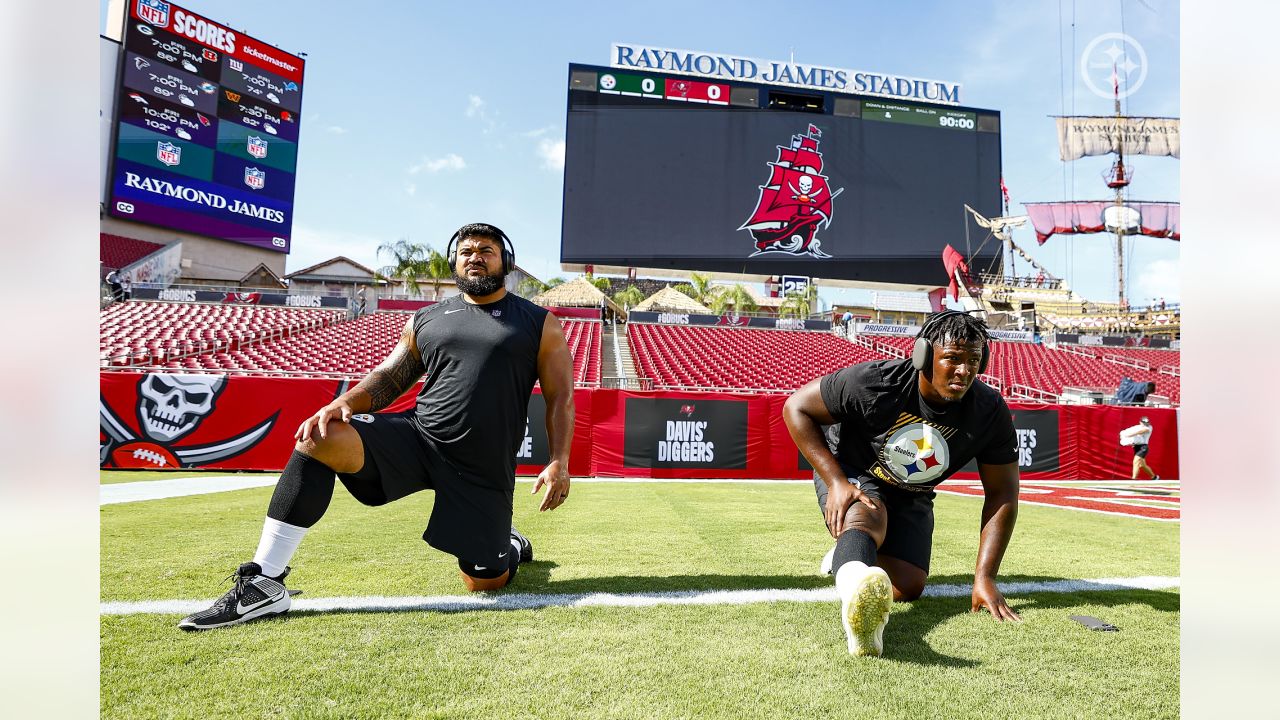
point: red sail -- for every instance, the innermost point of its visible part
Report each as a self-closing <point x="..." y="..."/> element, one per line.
<point x="1159" y="219"/>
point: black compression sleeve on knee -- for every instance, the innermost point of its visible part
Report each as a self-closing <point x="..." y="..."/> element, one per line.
<point x="854" y="545"/>
<point x="303" y="492"/>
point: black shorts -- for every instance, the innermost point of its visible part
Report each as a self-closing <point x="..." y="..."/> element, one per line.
<point x="470" y="520"/>
<point x="1140" y="451"/>
<point x="909" y="532"/>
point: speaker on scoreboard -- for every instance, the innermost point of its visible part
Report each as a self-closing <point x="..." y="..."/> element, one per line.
<point x="508" y="249"/>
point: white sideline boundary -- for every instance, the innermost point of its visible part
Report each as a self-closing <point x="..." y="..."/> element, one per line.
<point x="533" y="601"/>
<point x="114" y="493"/>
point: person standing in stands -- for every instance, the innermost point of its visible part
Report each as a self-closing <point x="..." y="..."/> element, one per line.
<point x="481" y="352"/>
<point x="117" y="290"/>
<point x="1139" y="438"/>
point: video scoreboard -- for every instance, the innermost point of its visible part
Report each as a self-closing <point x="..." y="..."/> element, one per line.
<point x="206" y="128"/>
<point x="666" y="170"/>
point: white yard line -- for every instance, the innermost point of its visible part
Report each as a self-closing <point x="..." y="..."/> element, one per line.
<point x="114" y="493"/>
<point x="529" y="601"/>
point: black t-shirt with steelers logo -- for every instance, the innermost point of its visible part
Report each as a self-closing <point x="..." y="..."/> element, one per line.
<point x="888" y="432"/>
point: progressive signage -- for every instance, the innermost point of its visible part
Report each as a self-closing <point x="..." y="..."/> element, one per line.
<point x="206" y="130"/>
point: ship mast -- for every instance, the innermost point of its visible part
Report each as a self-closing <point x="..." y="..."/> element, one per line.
<point x="1118" y="181"/>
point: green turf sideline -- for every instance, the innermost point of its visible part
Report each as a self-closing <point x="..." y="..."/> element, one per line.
<point x="531" y="601"/>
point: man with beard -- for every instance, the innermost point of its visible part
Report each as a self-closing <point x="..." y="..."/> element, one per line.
<point x="481" y="352"/>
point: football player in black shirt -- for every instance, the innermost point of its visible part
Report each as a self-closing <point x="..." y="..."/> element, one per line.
<point x="481" y="352"/>
<point x="897" y="428"/>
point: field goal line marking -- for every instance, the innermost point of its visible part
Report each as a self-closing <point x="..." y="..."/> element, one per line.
<point x="533" y="601"/>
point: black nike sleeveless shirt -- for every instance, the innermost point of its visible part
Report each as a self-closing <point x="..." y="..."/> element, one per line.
<point x="481" y="362"/>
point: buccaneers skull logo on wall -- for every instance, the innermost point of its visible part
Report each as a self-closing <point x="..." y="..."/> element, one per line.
<point x="169" y="408"/>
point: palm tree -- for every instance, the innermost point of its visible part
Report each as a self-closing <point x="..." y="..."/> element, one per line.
<point x="411" y="262"/>
<point x="437" y="270"/>
<point x="733" y="296"/>
<point x="799" y="304"/>
<point x="699" y="288"/>
<point x="531" y="287"/>
<point x="602" y="284"/>
<point x="629" y="298"/>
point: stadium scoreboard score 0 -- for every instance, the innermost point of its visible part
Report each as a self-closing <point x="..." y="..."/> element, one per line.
<point x="673" y="171"/>
<point x="206" y="128"/>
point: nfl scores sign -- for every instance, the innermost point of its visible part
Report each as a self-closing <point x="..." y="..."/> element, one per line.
<point x="777" y="72"/>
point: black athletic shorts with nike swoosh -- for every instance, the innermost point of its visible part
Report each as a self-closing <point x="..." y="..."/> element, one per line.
<point x="470" y="520"/>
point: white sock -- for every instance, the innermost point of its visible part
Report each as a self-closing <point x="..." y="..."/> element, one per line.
<point x="516" y="544"/>
<point x="279" y="541"/>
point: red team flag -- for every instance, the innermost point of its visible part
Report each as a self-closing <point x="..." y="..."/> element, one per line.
<point x="953" y="260"/>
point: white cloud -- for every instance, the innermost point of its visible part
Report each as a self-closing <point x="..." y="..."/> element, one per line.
<point x="411" y="189"/>
<point x="336" y="130"/>
<point x="452" y="161"/>
<point x="476" y="108"/>
<point x="311" y="246"/>
<point x="552" y="153"/>
<point x="1157" y="279"/>
<point x="539" y="132"/>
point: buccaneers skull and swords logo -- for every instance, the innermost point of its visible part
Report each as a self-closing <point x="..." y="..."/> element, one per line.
<point x="169" y="407"/>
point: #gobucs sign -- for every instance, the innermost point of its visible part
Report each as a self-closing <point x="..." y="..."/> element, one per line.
<point x="257" y="147"/>
<point x="255" y="178"/>
<point x="155" y="12"/>
<point x="168" y="153"/>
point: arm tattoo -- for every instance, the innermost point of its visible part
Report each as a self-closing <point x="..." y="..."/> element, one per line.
<point x="392" y="378"/>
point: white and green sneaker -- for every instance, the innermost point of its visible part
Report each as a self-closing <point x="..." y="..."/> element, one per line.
<point x="865" y="598"/>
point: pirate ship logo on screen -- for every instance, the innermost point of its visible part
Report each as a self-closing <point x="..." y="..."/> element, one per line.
<point x="795" y="203"/>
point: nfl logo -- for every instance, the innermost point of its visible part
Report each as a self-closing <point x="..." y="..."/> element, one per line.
<point x="155" y="12"/>
<point x="257" y="147"/>
<point x="255" y="178"/>
<point x="168" y="153"/>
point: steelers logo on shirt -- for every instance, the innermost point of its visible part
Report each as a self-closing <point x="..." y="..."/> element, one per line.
<point x="916" y="454"/>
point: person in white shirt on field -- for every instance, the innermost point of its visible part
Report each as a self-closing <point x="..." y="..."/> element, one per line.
<point x="1139" y="437"/>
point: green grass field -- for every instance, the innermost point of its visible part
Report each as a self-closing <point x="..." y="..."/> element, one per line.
<point x="762" y="660"/>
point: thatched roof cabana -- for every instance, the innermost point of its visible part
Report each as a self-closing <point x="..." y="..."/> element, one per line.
<point x="576" y="293"/>
<point x="671" y="300"/>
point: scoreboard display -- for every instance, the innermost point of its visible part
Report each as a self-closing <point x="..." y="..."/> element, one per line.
<point x="206" y="130"/>
<point x="679" y="172"/>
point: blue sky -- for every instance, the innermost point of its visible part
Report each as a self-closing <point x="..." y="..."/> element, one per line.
<point x="419" y="117"/>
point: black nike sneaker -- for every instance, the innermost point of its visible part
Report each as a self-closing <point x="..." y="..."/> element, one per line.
<point x="254" y="595"/>
<point x="526" y="547"/>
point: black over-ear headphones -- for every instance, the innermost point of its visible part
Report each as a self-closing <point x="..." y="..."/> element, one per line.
<point x="922" y="352"/>
<point x="508" y="250"/>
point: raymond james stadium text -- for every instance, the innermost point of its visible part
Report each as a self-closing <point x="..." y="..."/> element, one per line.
<point x="201" y="197"/>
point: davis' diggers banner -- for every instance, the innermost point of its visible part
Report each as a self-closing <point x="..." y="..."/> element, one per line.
<point x="174" y="421"/>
